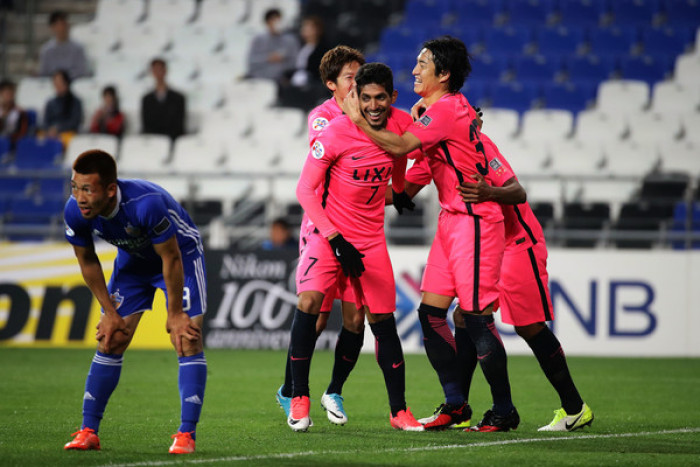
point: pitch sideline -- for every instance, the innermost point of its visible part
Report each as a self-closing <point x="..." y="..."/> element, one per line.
<point x="292" y="455"/>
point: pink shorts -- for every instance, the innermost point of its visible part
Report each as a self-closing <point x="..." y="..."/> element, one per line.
<point x="465" y="260"/>
<point x="524" y="287"/>
<point x="318" y="270"/>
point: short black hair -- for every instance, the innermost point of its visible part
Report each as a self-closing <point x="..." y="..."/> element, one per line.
<point x="375" y="73"/>
<point x="450" y="55"/>
<point x="159" y="61"/>
<point x="281" y="222"/>
<point x="95" y="161"/>
<point x="6" y="83"/>
<point x="271" y="13"/>
<point x="58" y="15"/>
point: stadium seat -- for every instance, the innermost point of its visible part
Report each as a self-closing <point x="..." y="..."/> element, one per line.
<point x="4" y="149"/>
<point x="613" y="41"/>
<point x="664" y="188"/>
<point x="691" y="123"/>
<point x="643" y="217"/>
<point x="123" y="12"/>
<point x="84" y="142"/>
<point x="15" y="186"/>
<point x="256" y="92"/>
<point x="256" y="11"/>
<point x="143" y="42"/>
<point x="586" y="217"/>
<point x="33" y="93"/>
<point x="634" y="12"/>
<point x="681" y="156"/>
<point x="182" y="72"/>
<point x="669" y="41"/>
<point x="507" y="40"/>
<point x="224" y="124"/>
<point x="34" y="215"/>
<point x="477" y="12"/>
<point x="203" y="211"/>
<point x="586" y="13"/>
<point x="279" y="123"/>
<point x="686" y="219"/>
<point x="98" y="39"/>
<point x="228" y="189"/>
<point x="675" y="98"/>
<point x="220" y="69"/>
<point x="530" y="12"/>
<point x="590" y="68"/>
<point x="630" y="159"/>
<point x="559" y="40"/>
<point x="544" y="212"/>
<point x="172" y="13"/>
<point x="526" y="159"/>
<point x="251" y="156"/>
<point x="142" y="154"/>
<point x="205" y="97"/>
<point x="33" y="153"/>
<point x="683" y="13"/>
<point x="218" y="13"/>
<point x="401" y="39"/>
<point x="549" y="190"/>
<point x="654" y="128"/>
<point x="501" y="124"/>
<point x="622" y="97"/>
<point x="195" y="153"/>
<point x="537" y="68"/>
<point x="58" y="187"/>
<point x="179" y="187"/>
<point x="486" y="67"/>
<point x="478" y="92"/>
<point x="595" y="125"/>
<point x="609" y="191"/>
<point x="125" y="70"/>
<point x="571" y="96"/>
<point x="687" y="69"/>
<point x="89" y="91"/>
<point x="544" y="125"/>
<point x="195" y="41"/>
<point x="293" y="155"/>
<point x="574" y="158"/>
<point x="472" y="37"/>
<point x="517" y="96"/>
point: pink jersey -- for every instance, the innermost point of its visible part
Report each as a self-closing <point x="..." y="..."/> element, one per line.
<point x="320" y="117"/>
<point x="357" y="172"/>
<point x="449" y="136"/>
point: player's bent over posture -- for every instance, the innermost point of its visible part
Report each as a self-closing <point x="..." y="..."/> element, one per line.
<point x="158" y="247"/>
<point x="346" y="248"/>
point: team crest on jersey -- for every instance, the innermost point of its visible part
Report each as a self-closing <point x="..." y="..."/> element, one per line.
<point x="495" y="163"/>
<point x="425" y="120"/>
<point x="132" y="231"/>
<point x="69" y="232"/>
<point x="318" y="150"/>
<point x="117" y="299"/>
<point x="319" y="124"/>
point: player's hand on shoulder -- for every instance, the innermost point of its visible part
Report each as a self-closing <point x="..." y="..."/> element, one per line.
<point x="475" y="192"/>
<point x="348" y="256"/>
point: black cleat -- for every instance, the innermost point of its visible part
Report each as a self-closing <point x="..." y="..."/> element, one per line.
<point x="494" y="422"/>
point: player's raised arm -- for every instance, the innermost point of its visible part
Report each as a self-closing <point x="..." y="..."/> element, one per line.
<point x="91" y="269"/>
<point x="178" y="324"/>
<point x="397" y="145"/>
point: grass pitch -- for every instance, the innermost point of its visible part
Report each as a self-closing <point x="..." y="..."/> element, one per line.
<point x="646" y="410"/>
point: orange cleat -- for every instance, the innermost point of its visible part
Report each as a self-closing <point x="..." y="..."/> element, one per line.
<point x="405" y="421"/>
<point x="183" y="444"/>
<point x="85" y="440"/>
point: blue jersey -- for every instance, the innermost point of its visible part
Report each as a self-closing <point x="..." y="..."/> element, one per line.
<point x="145" y="215"/>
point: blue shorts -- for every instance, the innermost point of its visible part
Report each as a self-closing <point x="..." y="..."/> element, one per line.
<point x="132" y="293"/>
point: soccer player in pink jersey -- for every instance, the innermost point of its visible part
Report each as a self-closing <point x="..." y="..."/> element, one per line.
<point x="465" y="258"/>
<point x="338" y="68"/>
<point x="347" y="247"/>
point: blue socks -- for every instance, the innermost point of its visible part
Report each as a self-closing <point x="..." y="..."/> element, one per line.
<point x="192" y="379"/>
<point x="101" y="380"/>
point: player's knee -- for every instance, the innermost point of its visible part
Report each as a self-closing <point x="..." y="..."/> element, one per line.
<point x="428" y="313"/>
<point x="118" y="344"/>
<point x="374" y="318"/>
<point x="529" y="331"/>
<point x="194" y="347"/>
<point x="310" y="303"/>
<point x="488" y="310"/>
<point x="355" y="323"/>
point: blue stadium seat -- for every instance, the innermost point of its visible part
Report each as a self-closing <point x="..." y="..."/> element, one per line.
<point x="507" y="40"/>
<point x="12" y="187"/>
<point x="35" y="153"/>
<point x="487" y="67"/>
<point x="478" y="91"/>
<point x="517" y="96"/>
<point x="571" y="96"/>
<point x="686" y="217"/>
<point x="590" y="68"/>
<point x="614" y="40"/>
<point x="476" y="12"/>
<point x="559" y="40"/>
<point x="426" y="12"/>
<point x="530" y="12"/>
<point x="36" y="210"/>
<point x="536" y="68"/>
<point x="582" y="12"/>
<point x="646" y="68"/>
<point x="634" y="12"/>
<point x="683" y="13"/>
<point x="406" y="97"/>
<point x="400" y="39"/>
<point x="4" y="148"/>
<point x="671" y="40"/>
<point x="473" y="37"/>
<point x="53" y="187"/>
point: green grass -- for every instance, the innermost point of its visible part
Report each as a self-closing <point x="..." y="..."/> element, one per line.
<point x="634" y="401"/>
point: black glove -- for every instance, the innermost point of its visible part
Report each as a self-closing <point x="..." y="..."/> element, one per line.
<point x="478" y="111"/>
<point x="347" y="255"/>
<point x="402" y="200"/>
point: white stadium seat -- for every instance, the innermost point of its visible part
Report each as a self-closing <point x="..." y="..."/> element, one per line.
<point x="525" y="158"/>
<point x="221" y="12"/>
<point x="32" y="93"/>
<point x="630" y="159"/>
<point x="687" y="71"/>
<point x="179" y="187"/>
<point x="84" y="142"/>
<point x="126" y="12"/>
<point x="654" y="128"/>
<point x="121" y="69"/>
<point x="622" y="96"/>
<point x="290" y="10"/>
<point x="278" y="122"/>
<point x="90" y="93"/>
<point x="574" y="158"/>
<point x="171" y="12"/>
<point x="674" y="97"/>
<point x="594" y="125"/>
<point x="501" y="124"/>
<point x="681" y="157"/>
<point x="144" y="154"/>
<point x="144" y="41"/>
<point x="546" y="125"/>
<point x="257" y="92"/>
<point x="194" y="153"/>
<point x="610" y="191"/>
<point x="195" y="41"/>
<point x="246" y="155"/>
<point x="691" y="125"/>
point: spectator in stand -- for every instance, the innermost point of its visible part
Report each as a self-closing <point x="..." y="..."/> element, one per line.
<point x="108" y="119"/>
<point x="280" y="236"/>
<point x="163" y="109"/>
<point x="61" y="53"/>
<point x="272" y="52"/>
<point x="301" y="86"/>
<point x="14" y="122"/>
<point x="63" y="114"/>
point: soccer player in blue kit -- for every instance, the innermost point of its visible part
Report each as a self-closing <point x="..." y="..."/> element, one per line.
<point x="158" y="247"/>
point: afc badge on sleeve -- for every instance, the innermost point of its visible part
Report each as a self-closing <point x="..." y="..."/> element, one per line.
<point x="319" y="124"/>
<point x="317" y="150"/>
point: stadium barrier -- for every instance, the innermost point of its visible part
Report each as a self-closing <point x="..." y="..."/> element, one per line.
<point x="607" y="303"/>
